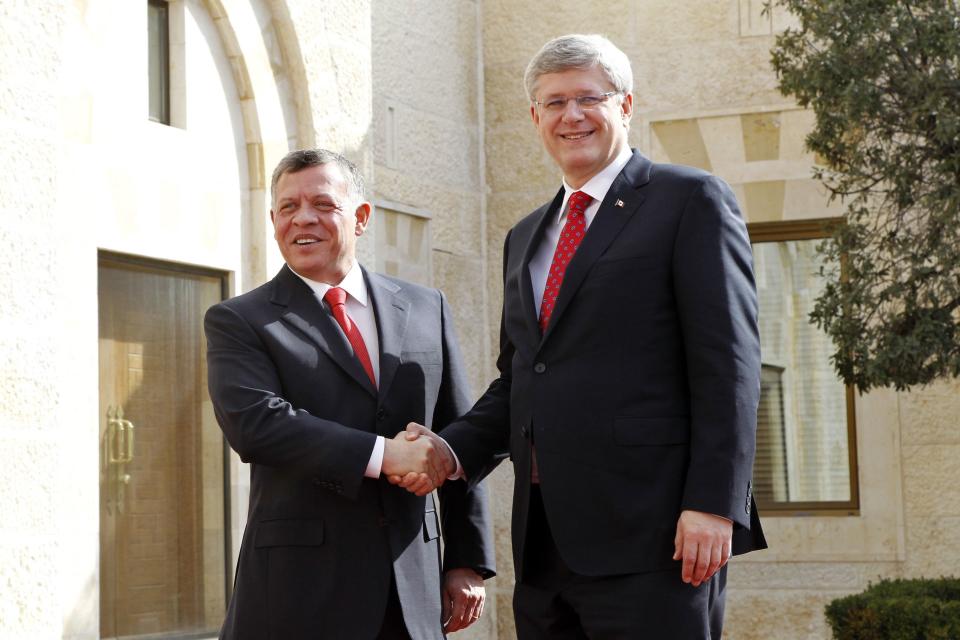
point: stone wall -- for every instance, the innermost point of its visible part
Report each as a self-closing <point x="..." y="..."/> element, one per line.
<point x="427" y="146"/>
<point x="40" y="347"/>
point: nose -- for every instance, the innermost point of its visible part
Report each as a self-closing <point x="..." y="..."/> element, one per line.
<point x="305" y="215"/>
<point x="572" y="111"/>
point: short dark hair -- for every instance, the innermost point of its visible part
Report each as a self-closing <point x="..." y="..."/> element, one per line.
<point x="303" y="158"/>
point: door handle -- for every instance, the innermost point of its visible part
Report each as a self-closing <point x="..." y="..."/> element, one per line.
<point x="119" y="448"/>
<point x="119" y="437"/>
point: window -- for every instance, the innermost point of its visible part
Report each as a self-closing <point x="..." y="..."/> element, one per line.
<point x="806" y="449"/>
<point x="158" y="60"/>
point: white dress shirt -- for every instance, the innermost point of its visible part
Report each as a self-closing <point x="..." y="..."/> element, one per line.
<point x="597" y="188"/>
<point x="360" y="311"/>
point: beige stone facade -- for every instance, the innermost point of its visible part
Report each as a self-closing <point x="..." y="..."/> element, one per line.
<point x="426" y="96"/>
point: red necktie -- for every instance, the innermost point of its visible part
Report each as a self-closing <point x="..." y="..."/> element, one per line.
<point x="570" y="238"/>
<point x="336" y="298"/>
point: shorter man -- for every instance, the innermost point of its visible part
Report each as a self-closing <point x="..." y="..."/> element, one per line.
<point x="313" y="376"/>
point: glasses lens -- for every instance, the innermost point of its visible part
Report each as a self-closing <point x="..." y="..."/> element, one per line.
<point x="558" y="105"/>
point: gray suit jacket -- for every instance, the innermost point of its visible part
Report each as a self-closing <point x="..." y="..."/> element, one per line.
<point x="321" y="540"/>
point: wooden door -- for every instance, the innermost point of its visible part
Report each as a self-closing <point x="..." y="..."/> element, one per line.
<point x="162" y="499"/>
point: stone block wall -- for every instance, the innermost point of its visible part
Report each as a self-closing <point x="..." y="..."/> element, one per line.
<point x="48" y="334"/>
<point x="427" y="146"/>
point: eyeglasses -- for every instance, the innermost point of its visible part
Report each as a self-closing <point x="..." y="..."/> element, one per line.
<point x="555" y="106"/>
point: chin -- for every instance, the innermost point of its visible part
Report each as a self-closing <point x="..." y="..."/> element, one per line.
<point x="581" y="156"/>
<point x="580" y="163"/>
<point x="305" y="268"/>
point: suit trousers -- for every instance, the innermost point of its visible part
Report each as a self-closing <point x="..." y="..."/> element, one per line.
<point x="552" y="602"/>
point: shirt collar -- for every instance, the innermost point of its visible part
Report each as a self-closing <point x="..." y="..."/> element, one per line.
<point x="352" y="283"/>
<point x="597" y="186"/>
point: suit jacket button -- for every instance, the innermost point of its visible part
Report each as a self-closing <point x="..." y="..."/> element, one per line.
<point x="539" y="367"/>
<point x="525" y="431"/>
<point x="381" y="413"/>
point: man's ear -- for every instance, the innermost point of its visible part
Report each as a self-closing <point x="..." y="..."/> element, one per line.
<point x="534" y="115"/>
<point x="626" y="109"/>
<point x="363" y="213"/>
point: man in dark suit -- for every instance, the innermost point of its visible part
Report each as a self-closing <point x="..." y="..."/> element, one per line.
<point x="313" y="377"/>
<point x="629" y="375"/>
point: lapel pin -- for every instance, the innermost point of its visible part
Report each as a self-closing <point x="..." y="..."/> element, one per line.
<point x="618" y="203"/>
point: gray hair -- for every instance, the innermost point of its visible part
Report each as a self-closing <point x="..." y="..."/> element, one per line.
<point x="304" y="158"/>
<point x="578" y="51"/>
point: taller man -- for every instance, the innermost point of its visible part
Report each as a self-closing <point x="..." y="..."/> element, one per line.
<point x="312" y="376"/>
<point x="629" y="375"/>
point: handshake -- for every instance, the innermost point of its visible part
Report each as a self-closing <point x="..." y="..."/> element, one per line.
<point x="417" y="460"/>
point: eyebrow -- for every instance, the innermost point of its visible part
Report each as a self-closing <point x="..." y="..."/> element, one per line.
<point x="574" y="93"/>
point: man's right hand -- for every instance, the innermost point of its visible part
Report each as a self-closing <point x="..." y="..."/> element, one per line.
<point x="418" y="464"/>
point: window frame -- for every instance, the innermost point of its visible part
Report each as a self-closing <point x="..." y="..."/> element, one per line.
<point x="813" y="229"/>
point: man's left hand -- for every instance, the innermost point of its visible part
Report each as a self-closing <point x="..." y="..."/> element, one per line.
<point x="704" y="542"/>
<point x="463" y="596"/>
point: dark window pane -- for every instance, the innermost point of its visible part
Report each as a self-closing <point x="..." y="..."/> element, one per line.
<point x="770" y="482"/>
<point x="158" y="60"/>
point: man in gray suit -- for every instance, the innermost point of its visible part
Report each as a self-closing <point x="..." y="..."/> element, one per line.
<point x="313" y="377"/>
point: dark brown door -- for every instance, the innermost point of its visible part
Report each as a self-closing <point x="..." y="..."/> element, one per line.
<point x="162" y="500"/>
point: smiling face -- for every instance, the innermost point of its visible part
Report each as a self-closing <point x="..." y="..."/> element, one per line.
<point x="316" y="222"/>
<point x="582" y="142"/>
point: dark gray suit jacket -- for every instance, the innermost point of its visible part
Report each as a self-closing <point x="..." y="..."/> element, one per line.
<point x="321" y="540"/>
<point x="641" y="396"/>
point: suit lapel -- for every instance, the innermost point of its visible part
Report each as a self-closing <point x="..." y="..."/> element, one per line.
<point x="620" y="204"/>
<point x="308" y="315"/>
<point x="392" y="313"/>
<point x="547" y="215"/>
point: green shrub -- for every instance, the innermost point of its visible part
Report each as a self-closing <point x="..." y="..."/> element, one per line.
<point x="899" y="610"/>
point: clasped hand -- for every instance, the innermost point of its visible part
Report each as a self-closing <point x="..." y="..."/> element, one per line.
<point x="417" y="460"/>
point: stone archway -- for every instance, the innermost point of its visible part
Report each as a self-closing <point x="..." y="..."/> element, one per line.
<point x="271" y="109"/>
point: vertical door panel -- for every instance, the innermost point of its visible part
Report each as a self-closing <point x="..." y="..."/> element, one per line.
<point x="162" y="471"/>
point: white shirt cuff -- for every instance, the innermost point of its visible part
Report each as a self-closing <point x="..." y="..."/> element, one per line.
<point x="456" y="475"/>
<point x="376" y="459"/>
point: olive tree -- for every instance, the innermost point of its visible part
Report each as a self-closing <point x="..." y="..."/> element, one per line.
<point x="883" y="79"/>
